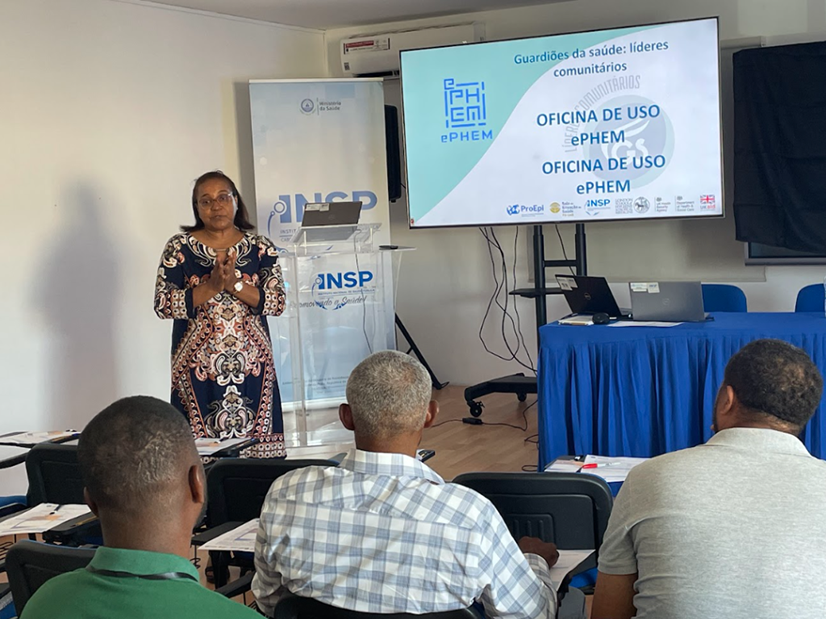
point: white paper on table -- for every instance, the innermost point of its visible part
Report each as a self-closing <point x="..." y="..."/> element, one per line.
<point x="41" y="518"/>
<point x="643" y="323"/>
<point x="208" y="446"/>
<point x="616" y="469"/>
<point x="240" y="539"/>
<point x="32" y="438"/>
<point x="579" y="321"/>
<point x="568" y="561"/>
<point x="564" y="466"/>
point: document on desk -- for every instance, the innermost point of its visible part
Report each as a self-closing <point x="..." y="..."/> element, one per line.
<point x="240" y="539"/>
<point x="208" y="446"/>
<point x="41" y="518"/>
<point x="611" y="469"/>
<point x="33" y="438"/>
<point x="580" y="321"/>
<point x="564" y="466"/>
<point x="643" y="323"/>
<point x="568" y="562"/>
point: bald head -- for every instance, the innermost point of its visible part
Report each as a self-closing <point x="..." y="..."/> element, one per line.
<point x="388" y="393"/>
<point x="135" y="456"/>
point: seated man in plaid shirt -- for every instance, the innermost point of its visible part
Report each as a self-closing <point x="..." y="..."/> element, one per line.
<point x="383" y="533"/>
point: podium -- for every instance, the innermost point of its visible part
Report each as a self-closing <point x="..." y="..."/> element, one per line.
<point x="340" y="308"/>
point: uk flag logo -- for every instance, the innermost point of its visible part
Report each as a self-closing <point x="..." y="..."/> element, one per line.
<point x="708" y="202"/>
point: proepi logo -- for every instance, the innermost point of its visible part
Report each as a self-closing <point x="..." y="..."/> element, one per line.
<point x="516" y="209"/>
<point x="349" y="279"/>
<point x="290" y="208"/>
<point x="597" y="203"/>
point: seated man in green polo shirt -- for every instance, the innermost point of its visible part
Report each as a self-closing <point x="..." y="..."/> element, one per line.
<point x="145" y="482"/>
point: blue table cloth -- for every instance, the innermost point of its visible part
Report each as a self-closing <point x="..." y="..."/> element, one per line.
<point x="644" y="391"/>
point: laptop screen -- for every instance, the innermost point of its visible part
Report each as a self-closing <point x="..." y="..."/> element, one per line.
<point x="331" y="214"/>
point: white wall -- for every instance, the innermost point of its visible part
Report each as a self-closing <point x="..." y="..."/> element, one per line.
<point x="108" y="111"/>
<point x="445" y="285"/>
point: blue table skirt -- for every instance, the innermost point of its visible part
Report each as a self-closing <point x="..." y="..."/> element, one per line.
<point x="644" y="391"/>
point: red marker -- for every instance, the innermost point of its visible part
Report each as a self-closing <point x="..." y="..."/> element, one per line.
<point x="594" y="465"/>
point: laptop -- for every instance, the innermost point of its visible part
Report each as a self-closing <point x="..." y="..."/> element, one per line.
<point x="667" y="301"/>
<point x="589" y="295"/>
<point x="330" y="221"/>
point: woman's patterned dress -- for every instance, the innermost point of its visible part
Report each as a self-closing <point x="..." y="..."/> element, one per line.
<point x="223" y="376"/>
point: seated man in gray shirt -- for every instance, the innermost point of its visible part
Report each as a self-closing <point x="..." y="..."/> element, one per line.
<point x="736" y="527"/>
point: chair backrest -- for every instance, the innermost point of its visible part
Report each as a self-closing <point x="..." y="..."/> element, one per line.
<point x="54" y="475"/>
<point x="30" y="564"/>
<point x="237" y="487"/>
<point x="810" y="299"/>
<point x="724" y="298"/>
<point x="569" y="509"/>
<point x="297" y="607"/>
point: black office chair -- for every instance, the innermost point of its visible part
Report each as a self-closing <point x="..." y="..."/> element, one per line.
<point x="569" y="509"/>
<point x="54" y="475"/>
<point x="30" y="564"/>
<point x="297" y="607"/>
<point x="236" y="489"/>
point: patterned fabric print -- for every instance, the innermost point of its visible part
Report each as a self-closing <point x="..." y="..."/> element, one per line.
<point x="170" y="300"/>
<point x="223" y="375"/>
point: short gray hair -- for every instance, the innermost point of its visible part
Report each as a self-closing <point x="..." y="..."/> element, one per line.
<point x="388" y="393"/>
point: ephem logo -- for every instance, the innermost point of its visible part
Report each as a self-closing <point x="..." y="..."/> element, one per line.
<point x="465" y="111"/>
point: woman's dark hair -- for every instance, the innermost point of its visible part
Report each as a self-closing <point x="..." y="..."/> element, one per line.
<point x="242" y="220"/>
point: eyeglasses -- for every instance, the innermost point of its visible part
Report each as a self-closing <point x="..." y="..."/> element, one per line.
<point x="222" y="200"/>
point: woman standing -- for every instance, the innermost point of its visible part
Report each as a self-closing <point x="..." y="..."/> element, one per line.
<point x="218" y="282"/>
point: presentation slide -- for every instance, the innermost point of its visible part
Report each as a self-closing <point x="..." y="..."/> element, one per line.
<point x="605" y="125"/>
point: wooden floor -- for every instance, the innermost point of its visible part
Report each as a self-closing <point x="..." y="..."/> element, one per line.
<point x="459" y="447"/>
<point x="464" y="448"/>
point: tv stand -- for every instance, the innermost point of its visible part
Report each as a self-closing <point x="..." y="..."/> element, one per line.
<point x="520" y="384"/>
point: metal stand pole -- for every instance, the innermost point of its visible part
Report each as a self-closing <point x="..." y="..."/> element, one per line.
<point x="415" y="350"/>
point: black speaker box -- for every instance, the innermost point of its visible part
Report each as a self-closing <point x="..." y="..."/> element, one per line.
<point x="394" y="163"/>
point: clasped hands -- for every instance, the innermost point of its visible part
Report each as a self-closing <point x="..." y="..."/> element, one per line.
<point x="223" y="275"/>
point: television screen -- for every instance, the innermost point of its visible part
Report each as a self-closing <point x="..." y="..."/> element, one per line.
<point x="605" y="125"/>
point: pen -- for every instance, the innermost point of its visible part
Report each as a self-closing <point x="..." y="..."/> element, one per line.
<point x="594" y="465"/>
